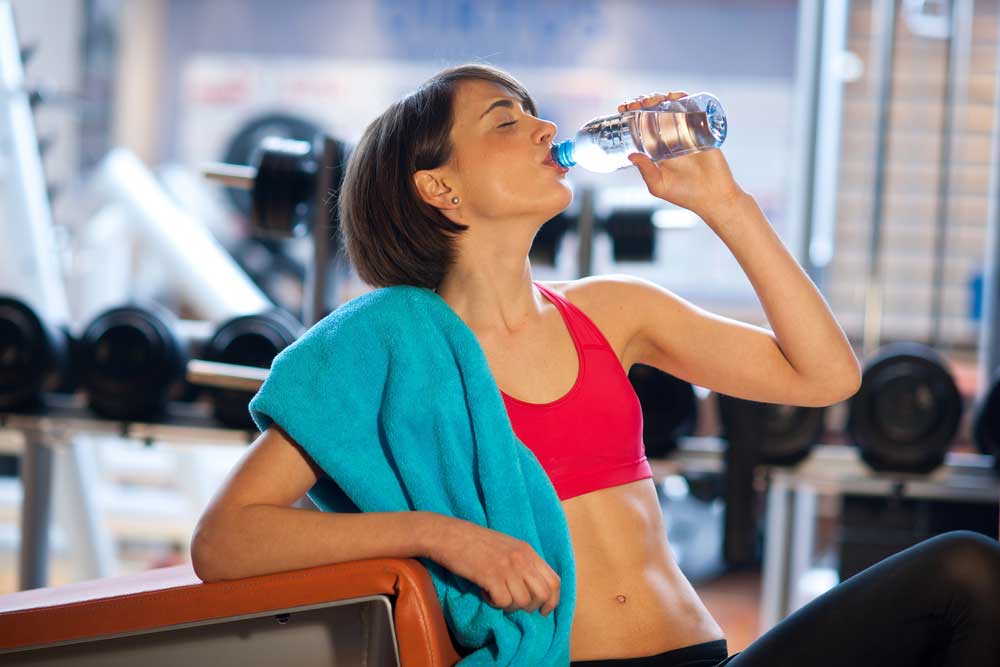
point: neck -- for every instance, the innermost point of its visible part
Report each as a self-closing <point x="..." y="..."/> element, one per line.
<point x="490" y="285"/>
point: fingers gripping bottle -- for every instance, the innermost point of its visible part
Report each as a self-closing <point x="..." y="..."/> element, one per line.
<point x="670" y="129"/>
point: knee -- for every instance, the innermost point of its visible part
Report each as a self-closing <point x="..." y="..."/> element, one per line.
<point x="969" y="561"/>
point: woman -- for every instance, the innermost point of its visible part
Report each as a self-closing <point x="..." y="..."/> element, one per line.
<point x="446" y="190"/>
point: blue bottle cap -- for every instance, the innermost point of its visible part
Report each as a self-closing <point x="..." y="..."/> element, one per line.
<point x="562" y="153"/>
<point x="716" y="121"/>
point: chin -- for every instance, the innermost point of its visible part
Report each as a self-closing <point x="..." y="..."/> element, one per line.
<point x="545" y="204"/>
<point x="563" y="200"/>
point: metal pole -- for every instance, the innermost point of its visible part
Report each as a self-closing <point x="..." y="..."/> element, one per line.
<point x="956" y="53"/>
<point x="327" y="178"/>
<point x="829" y="118"/>
<point x="775" y="584"/>
<point x="808" y="48"/>
<point x="989" y="342"/>
<point x="873" y="295"/>
<point x="36" y="511"/>
<point x="585" y="232"/>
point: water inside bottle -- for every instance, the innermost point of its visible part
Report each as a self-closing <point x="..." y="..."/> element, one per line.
<point x="605" y="144"/>
<point x="664" y="134"/>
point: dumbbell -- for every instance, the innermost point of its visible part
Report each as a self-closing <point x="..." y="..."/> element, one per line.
<point x="247" y="341"/>
<point x="134" y="359"/>
<point x="280" y="208"/>
<point x="35" y="357"/>
<point x="244" y="149"/>
<point x="131" y="358"/>
<point x="907" y="411"/>
<point x="282" y="183"/>
<point x="294" y="184"/>
<point x="669" y="408"/>
<point x="779" y="434"/>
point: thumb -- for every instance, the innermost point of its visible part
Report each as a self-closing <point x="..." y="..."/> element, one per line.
<point x="647" y="168"/>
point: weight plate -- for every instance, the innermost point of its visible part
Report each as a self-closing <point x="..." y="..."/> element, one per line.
<point x="249" y="137"/>
<point x="34" y="356"/>
<point x="669" y="408"/>
<point x="633" y="236"/>
<point x="986" y="421"/>
<point x="131" y="357"/>
<point x="284" y="187"/>
<point x="782" y="434"/>
<point x="248" y="340"/>
<point x="907" y="411"/>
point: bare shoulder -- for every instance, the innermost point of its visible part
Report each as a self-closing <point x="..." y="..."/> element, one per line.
<point x="616" y="290"/>
<point x="609" y="301"/>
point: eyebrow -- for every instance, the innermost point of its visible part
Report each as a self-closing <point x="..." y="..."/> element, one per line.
<point x="499" y="103"/>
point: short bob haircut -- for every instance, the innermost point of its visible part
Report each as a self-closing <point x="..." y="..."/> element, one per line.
<point x="393" y="237"/>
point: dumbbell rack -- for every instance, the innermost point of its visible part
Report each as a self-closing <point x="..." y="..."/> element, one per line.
<point x="791" y="491"/>
<point x="65" y="417"/>
<point x="791" y="504"/>
<point x="68" y="416"/>
<point x="835" y="470"/>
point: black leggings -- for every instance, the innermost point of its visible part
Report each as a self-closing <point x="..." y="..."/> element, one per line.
<point x="935" y="604"/>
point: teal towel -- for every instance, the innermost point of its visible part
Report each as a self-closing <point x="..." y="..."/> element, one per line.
<point x="393" y="398"/>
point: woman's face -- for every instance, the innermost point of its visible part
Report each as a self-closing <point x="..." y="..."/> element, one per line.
<point x="501" y="156"/>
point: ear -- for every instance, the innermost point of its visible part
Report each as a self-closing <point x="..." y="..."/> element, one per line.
<point x="432" y="188"/>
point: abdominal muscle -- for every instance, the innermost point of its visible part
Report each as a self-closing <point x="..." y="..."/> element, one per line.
<point x="632" y="600"/>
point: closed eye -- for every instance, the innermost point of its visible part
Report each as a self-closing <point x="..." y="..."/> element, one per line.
<point x="506" y="124"/>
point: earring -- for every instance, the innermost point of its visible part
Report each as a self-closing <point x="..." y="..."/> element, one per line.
<point x="454" y="200"/>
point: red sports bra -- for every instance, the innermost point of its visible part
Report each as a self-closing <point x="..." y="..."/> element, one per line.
<point x="591" y="438"/>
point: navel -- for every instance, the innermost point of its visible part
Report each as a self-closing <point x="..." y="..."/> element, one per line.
<point x="620" y="598"/>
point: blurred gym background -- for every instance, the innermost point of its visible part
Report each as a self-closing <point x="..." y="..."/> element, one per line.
<point x="162" y="210"/>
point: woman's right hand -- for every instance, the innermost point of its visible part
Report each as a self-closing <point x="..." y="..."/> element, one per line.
<point x="508" y="570"/>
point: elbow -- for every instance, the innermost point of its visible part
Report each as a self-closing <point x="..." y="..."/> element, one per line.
<point x="204" y="558"/>
<point x="827" y="392"/>
<point x="201" y="562"/>
<point x="853" y="382"/>
<point x="847" y="388"/>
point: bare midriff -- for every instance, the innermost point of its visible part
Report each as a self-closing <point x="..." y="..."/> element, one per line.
<point x="632" y="599"/>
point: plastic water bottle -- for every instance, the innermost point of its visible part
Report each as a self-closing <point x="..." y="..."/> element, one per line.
<point x="670" y="129"/>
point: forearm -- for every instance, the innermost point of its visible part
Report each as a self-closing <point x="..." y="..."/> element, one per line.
<point x="806" y="331"/>
<point x="263" y="539"/>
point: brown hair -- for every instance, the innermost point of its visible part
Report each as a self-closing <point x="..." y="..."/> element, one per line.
<point x="393" y="237"/>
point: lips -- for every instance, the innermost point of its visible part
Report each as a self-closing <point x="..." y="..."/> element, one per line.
<point x="548" y="161"/>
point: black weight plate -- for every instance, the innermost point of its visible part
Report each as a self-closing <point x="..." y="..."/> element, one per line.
<point x="130" y="359"/>
<point x="248" y="138"/>
<point x="986" y="421"/>
<point x="284" y="187"/>
<point x="248" y="340"/>
<point x="545" y="245"/>
<point x="782" y="434"/>
<point x="33" y="356"/>
<point x="905" y="395"/>
<point x="907" y="411"/>
<point x="633" y="236"/>
<point x="669" y="408"/>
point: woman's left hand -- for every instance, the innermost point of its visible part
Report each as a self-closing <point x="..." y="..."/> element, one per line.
<point x="700" y="182"/>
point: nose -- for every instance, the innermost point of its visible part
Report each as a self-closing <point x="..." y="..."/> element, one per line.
<point x="545" y="132"/>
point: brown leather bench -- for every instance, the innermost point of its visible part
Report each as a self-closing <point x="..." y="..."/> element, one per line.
<point x="381" y="611"/>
